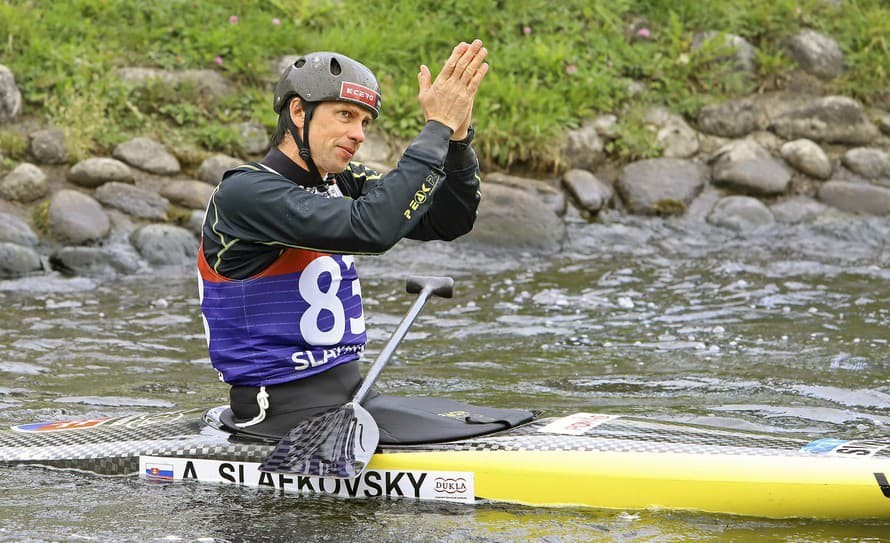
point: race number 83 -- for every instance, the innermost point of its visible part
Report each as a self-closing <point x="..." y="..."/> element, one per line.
<point x="326" y="303"/>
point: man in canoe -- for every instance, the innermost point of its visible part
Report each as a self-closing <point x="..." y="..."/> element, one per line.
<point x="279" y="289"/>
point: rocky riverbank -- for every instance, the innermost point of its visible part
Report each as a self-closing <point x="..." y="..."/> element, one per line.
<point x="744" y="164"/>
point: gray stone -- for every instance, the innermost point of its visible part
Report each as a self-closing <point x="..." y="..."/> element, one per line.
<point x="747" y="167"/>
<point x="189" y="194"/>
<point x="15" y="230"/>
<point x="661" y="186"/>
<point x="513" y="219"/>
<point x="883" y="121"/>
<point x="76" y="218"/>
<point x="254" y="138"/>
<point x="677" y="140"/>
<point x="816" y="53"/>
<point x="48" y="146"/>
<point x="93" y="172"/>
<point x="833" y="119"/>
<point x="165" y="244"/>
<point x="741" y="213"/>
<point x="373" y="150"/>
<point x="17" y="260"/>
<point x="856" y="197"/>
<point x="10" y="96"/>
<point x="590" y="193"/>
<point x="208" y="82"/>
<point x="798" y="209"/>
<point x="584" y="149"/>
<point x="733" y="118"/>
<point x="147" y="154"/>
<point x="132" y="200"/>
<point x="807" y="157"/>
<point x="742" y="51"/>
<point x="213" y="168"/>
<point x="196" y="221"/>
<point x="92" y="261"/>
<point x="869" y="163"/>
<point x="25" y="183"/>
<point x="552" y="197"/>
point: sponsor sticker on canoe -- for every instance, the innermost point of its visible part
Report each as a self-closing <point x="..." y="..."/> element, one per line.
<point x="60" y="425"/>
<point x="841" y="447"/>
<point x="452" y="486"/>
<point x="576" y="424"/>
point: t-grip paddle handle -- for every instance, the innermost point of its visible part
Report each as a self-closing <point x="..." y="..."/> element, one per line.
<point x="423" y="286"/>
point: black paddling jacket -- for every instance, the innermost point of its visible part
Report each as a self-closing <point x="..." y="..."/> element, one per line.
<point x="279" y="290"/>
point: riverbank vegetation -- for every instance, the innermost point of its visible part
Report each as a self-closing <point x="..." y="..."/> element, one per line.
<point x="554" y="64"/>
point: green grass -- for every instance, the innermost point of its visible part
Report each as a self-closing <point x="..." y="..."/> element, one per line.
<point x="553" y="64"/>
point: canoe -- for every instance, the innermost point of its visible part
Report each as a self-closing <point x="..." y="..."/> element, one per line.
<point x="584" y="459"/>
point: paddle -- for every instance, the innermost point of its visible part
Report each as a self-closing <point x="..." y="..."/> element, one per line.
<point x="339" y="443"/>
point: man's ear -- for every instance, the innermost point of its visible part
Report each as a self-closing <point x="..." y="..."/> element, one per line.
<point x="297" y="114"/>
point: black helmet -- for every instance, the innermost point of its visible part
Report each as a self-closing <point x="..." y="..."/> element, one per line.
<point x="324" y="77"/>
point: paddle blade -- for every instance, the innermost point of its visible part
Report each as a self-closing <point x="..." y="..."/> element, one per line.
<point x="337" y="444"/>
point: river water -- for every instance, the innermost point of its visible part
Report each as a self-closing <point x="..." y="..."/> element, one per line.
<point x="786" y="330"/>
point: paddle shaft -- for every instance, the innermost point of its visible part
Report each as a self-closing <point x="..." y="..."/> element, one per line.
<point x="423" y="287"/>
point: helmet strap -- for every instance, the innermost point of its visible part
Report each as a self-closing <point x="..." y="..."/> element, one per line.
<point x="303" y="142"/>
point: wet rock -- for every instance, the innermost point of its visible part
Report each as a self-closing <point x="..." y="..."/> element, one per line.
<point x="553" y="198"/>
<point x="147" y="154"/>
<point x="733" y="118"/>
<point x="661" y="186"/>
<point x="856" y="197"/>
<point x="869" y="163"/>
<point x="816" y="53"/>
<point x="208" y="82"/>
<point x="254" y="138"/>
<point x="590" y="193"/>
<point x="15" y="230"/>
<point x="584" y="149"/>
<point x="25" y="183"/>
<point x="93" y="172"/>
<point x="132" y="200"/>
<point x="189" y="194"/>
<point x="76" y="218"/>
<point x="48" y="146"/>
<point x="213" y="168"/>
<point x="17" y="260"/>
<point x="515" y="220"/>
<point x="747" y="167"/>
<point x="92" y="261"/>
<point x="798" y="209"/>
<point x="165" y="244"/>
<point x="10" y="96"/>
<point x="834" y="119"/>
<point x="742" y="51"/>
<point x="808" y="157"/>
<point x="741" y="213"/>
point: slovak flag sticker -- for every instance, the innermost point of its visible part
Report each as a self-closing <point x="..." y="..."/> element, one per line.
<point x="159" y="472"/>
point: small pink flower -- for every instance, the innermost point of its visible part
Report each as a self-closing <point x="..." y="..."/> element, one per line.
<point x="233" y="19"/>
<point x="218" y="60"/>
<point x="571" y="68"/>
<point x="276" y="21"/>
<point x="644" y="33"/>
<point x="526" y="30"/>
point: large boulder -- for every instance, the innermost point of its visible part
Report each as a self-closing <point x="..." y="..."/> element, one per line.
<point x="816" y="53"/>
<point x="856" y="197"/>
<point x="747" y="167"/>
<point x="10" y="96"/>
<point x="134" y="201"/>
<point x="165" y="244"/>
<point x="833" y="119"/>
<point x="76" y="218"/>
<point x="733" y="118"/>
<point x="808" y="157"/>
<point x="93" y="172"/>
<point x="741" y="213"/>
<point x="147" y="154"/>
<point x="48" y="146"/>
<point x="25" y="183"/>
<point x="661" y="186"/>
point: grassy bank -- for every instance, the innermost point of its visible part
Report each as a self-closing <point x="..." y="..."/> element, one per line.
<point x="553" y="63"/>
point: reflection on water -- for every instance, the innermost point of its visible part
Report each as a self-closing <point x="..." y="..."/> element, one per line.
<point x="786" y="332"/>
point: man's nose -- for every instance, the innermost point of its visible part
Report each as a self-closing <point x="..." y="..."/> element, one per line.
<point x="357" y="133"/>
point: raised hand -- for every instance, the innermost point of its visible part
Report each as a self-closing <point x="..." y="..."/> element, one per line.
<point x="449" y="99"/>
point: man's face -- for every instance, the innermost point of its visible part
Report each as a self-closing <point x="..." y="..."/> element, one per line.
<point x="336" y="131"/>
